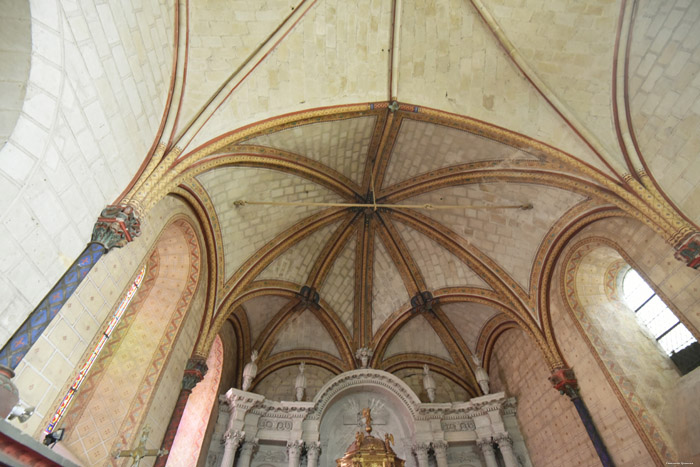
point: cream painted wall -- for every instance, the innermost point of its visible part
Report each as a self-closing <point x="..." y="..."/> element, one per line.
<point x="15" y="52"/>
<point x="94" y="101"/>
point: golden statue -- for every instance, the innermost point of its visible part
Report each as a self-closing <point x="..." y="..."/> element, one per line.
<point x="388" y="441"/>
<point x="368" y="451"/>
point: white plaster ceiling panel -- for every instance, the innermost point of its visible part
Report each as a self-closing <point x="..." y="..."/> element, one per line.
<point x="295" y="264"/>
<point x="449" y="60"/>
<point x="439" y="267"/>
<point x="388" y="290"/>
<point x="305" y="331"/>
<point x="341" y="145"/>
<point x="572" y="52"/>
<point x="338" y="290"/>
<point x="222" y="36"/>
<point x="246" y="229"/>
<point x="469" y="319"/>
<point x="260" y="311"/>
<point x="337" y="54"/>
<point x="417" y="336"/>
<point x="421" y="147"/>
<point x="511" y="237"/>
<point x="445" y="389"/>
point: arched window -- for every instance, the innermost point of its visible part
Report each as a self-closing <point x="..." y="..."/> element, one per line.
<point x="652" y="313"/>
<point x="96" y="351"/>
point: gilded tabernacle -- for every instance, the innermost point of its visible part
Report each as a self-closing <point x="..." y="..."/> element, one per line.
<point x="368" y="451"/>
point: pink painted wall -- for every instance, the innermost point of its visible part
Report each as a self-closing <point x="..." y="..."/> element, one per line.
<point x="193" y="426"/>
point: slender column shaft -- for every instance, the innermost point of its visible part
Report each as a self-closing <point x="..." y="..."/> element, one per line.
<point x="116" y="226"/>
<point x="195" y="369"/>
<point x="294" y="450"/>
<point x="247" y="451"/>
<point x="489" y="455"/>
<point x="592" y="432"/>
<point x="231" y="442"/>
<point x="421" y="454"/>
<point x="174" y="423"/>
<point x="506" y="446"/>
<point x="564" y="381"/>
<point x="440" y="450"/>
<point x="39" y="319"/>
<point x="313" y="450"/>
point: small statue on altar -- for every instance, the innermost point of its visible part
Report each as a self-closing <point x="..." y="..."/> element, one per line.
<point x="359" y="437"/>
<point x="482" y="377"/>
<point x="428" y="383"/>
<point x="300" y="383"/>
<point x="388" y="441"/>
<point x="250" y="370"/>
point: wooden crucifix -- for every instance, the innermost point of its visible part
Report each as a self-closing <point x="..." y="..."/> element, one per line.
<point x="140" y="451"/>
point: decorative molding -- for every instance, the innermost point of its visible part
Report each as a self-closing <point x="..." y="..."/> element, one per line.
<point x="688" y="250"/>
<point x="366" y="376"/>
<point x="195" y="369"/>
<point x="636" y="411"/>
<point x="116" y="226"/>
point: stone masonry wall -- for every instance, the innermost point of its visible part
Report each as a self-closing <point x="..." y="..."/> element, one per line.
<point x="550" y="425"/>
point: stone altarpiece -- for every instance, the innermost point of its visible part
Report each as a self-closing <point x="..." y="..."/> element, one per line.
<point x="252" y="431"/>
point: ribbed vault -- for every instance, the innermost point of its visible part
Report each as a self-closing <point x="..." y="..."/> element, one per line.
<point x="379" y="105"/>
<point x="416" y="285"/>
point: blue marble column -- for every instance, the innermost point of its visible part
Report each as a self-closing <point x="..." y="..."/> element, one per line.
<point x="564" y="380"/>
<point x="116" y="226"/>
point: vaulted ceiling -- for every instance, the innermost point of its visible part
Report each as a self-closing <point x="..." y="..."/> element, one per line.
<point x="515" y="113"/>
<point x="416" y="285"/>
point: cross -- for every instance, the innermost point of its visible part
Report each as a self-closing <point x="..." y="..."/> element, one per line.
<point x="140" y="452"/>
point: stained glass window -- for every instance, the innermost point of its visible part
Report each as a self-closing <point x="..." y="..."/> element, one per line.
<point x="96" y="351"/>
<point x="654" y="315"/>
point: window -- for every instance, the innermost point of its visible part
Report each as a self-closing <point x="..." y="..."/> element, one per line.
<point x="655" y="316"/>
<point x="96" y="351"/>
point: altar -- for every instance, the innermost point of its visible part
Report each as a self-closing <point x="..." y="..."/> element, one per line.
<point x="252" y="431"/>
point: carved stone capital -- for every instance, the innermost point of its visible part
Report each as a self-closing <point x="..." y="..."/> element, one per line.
<point x="234" y="438"/>
<point x="294" y="448"/>
<point x="313" y="448"/>
<point x="439" y="446"/>
<point x="250" y="446"/>
<point x="564" y="381"/>
<point x="195" y="369"/>
<point x="420" y="448"/>
<point x="486" y="444"/>
<point x="688" y="250"/>
<point x="116" y="226"/>
<point x="503" y="439"/>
